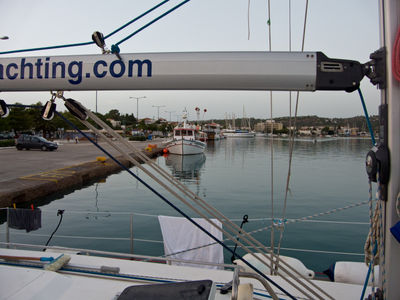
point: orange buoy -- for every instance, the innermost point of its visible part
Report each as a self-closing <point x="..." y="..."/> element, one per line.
<point x="165" y="150"/>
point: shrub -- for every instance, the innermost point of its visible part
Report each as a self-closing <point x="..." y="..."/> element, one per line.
<point x="7" y="143"/>
<point x="137" y="138"/>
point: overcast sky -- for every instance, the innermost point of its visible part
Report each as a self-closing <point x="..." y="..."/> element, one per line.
<point x="346" y="29"/>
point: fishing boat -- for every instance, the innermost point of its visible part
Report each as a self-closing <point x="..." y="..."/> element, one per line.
<point x="187" y="139"/>
<point x="213" y="131"/>
<point x="65" y="273"/>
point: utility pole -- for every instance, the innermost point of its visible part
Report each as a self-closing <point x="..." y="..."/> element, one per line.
<point x="158" y="110"/>
<point x="137" y="106"/>
<point x="170" y="112"/>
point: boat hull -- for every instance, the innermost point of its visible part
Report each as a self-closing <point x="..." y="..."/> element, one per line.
<point x="186" y="147"/>
<point x="239" y="134"/>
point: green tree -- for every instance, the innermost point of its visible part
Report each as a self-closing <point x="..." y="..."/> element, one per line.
<point x="20" y="119"/>
<point x="113" y="114"/>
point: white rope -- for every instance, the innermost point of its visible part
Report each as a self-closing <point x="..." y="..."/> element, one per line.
<point x="374" y="234"/>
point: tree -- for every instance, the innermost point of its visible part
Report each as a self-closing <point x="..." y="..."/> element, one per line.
<point x="20" y="119"/>
<point x="325" y="130"/>
<point x="113" y="114"/>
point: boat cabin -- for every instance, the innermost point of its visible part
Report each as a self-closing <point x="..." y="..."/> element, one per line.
<point x="185" y="133"/>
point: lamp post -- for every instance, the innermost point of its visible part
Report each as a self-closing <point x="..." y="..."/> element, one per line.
<point x="158" y="110"/>
<point x="137" y="106"/>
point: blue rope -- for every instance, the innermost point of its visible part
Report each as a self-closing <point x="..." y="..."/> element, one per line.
<point x="175" y="207"/>
<point x="151" y="22"/>
<point x="47" y="48"/>
<point x="371" y="132"/>
<point x="85" y="43"/>
<point x="135" y="19"/>
<point x="370" y="268"/>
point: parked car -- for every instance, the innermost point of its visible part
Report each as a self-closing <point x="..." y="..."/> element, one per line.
<point x="35" y="142"/>
<point x="7" y="136"/>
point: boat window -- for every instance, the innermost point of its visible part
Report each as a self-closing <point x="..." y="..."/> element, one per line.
<point x="177" y="132"/>
<point x="184" y="132"/>
<point x="190" y="132"/>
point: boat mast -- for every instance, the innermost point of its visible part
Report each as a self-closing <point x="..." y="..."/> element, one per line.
<point x="389" y="20"/>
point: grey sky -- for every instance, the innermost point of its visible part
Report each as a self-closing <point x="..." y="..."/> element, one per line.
<point x="342" y="29"/>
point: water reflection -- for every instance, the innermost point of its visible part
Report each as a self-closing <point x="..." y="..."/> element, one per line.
<point x="97" y="213"/>
<point x="185" y="167"/>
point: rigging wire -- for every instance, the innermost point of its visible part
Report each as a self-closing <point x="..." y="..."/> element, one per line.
<point x="252" y="242"/>
<point x="90" y="42"/>
<point x="248" y="20"/>
<point x="209" y="209"/>
<point x="212" y="211"/>
<point x="175" y="207"/>
<point x="272" y="235"/>
<point x="151" y="22"/>
<point x="371" y="132"/>
<point x="136" y="19"/>
<point x="291" y="143"/>
<point x="290" y="221"/>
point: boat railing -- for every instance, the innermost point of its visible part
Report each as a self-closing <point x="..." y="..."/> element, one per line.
<point x="7" y="234"/>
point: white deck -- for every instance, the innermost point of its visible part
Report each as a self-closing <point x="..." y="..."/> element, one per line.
<point x="37" y="283"/>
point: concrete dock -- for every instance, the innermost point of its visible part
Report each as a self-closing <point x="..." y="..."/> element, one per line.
<point x="26" y="176"/>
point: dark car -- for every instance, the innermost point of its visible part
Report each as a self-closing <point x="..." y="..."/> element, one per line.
<point x="35" y="142"/>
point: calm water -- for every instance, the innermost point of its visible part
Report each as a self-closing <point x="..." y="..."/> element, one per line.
<point x="234" y="176"/>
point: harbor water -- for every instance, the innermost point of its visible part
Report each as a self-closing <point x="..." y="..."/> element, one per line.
<point x="236" y="176"/>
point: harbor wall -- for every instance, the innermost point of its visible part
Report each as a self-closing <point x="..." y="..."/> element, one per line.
<point x="27" y="189"/>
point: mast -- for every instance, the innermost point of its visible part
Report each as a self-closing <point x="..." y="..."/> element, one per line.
<point x="389" y="15"/>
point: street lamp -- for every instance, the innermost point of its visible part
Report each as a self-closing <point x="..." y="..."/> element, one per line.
<point x="158" y="110"/>
<point x="137" y="106"/>
<point x="4" y="37"/>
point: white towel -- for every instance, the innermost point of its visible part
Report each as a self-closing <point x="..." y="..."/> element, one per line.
<point x="180" y="234"/>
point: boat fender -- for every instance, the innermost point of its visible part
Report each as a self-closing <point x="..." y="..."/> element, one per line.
<point x="293" y="262"/>
<point x="350" y="272"/>
<point x="165" y="150"/>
